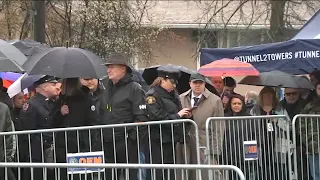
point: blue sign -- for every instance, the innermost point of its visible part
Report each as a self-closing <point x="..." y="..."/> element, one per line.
<point x="300" y="56"/>
<point x="250" y="150"/>
<point x="87" y="157"/>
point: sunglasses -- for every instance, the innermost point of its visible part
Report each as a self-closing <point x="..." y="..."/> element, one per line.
<point x="291" y="94"/>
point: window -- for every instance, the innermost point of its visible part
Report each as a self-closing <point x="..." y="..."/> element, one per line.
<point x="250" y="37"/>
<point x="236" y="38"/>
<point x="208" y="39"/>
<point x="233" y="39"/>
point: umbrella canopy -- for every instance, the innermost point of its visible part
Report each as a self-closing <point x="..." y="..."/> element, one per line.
<point x="8" y="65"/>
<point x="11" y="76"/>
<point x="66" y="63"/>
<point x="7" y="83"/>
<point x="150" y="74"/>
<point x="7" y="50"/>
<point x="228" y="67"/>
<point x="29" y="47"/>
<point x="277" y="79"/>
<point x="24" y="82"/>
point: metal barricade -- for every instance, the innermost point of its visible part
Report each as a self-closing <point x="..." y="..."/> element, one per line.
<point x="259" y="145"/>
<point x="306" y="137"/>
<point x="125" y="166"/>
<point x="131" y="143"/>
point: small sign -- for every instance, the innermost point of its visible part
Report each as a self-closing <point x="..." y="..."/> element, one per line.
<point x="86" y="157"/>
<point x="250" y="150"/>
<point x="270" y="127"/>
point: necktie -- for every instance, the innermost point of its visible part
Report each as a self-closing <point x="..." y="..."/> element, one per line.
<point x="195" y="101"/>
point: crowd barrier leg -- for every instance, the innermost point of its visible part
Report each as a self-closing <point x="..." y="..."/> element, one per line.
<point x="261" y="146"/>
<point x="306" y="137"/>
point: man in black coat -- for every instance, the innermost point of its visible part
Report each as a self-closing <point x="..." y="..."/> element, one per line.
<point x="124" y="103"/>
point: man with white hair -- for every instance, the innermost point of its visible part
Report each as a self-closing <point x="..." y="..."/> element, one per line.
<point x="251" y="99"/>
<point x="124" y="102"/>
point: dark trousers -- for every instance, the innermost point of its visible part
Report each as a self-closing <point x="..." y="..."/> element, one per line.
<point x="157" y="153"/>
<point x="118" y="152"/>
<point x="9" y="174"/>
<point x="38" y="173"/>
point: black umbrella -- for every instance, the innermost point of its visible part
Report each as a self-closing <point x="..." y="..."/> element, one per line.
<point x="29" y="47"/>
<point x="277" y="79"/>
<point x="8" y="65"/>
<point x="150" y="74"/>
<point x="66" y="63"/>
<point x="14" y="57"/>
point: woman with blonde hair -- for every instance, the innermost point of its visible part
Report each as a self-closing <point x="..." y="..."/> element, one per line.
<point x="270" y="136"/>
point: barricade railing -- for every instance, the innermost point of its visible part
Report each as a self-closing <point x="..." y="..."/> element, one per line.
<point x="89" y="167"/>
<point x="261" y="146"/>
<point x="144" y="142"/>
<point x="306" y="137"/>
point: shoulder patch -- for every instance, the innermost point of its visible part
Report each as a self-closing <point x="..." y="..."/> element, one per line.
<point x="25" y="106"/>
<point x="150" y="100"/>
<point x="93" y="108"/>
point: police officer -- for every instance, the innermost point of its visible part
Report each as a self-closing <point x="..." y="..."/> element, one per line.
<point x="36" y="114"/>
<point x="124" y="103"/>
<point x="163" y="103"/>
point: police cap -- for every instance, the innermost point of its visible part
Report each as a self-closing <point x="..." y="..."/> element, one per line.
<point x="46" y="79"/>
<point x="169" y="73"/>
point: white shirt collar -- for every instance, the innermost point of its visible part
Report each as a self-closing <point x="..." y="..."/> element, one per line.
<point x="193" y="96"/>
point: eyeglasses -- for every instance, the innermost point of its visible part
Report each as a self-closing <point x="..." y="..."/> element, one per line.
<point x="291" y="94"/>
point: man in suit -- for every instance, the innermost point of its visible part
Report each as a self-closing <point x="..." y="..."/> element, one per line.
<point x="204" y="104"/>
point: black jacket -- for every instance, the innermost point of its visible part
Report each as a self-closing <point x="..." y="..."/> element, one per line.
<point x="293" y="109"/>
<point x="15" y="116"/>
<point x="4" y="97"/>
<point x="36" y="114"/>
<point x="97" y="97"/>
<point x="124" y="103"/>
<point x="162" y="105"/>
<point x="236" y="133"/>
<point x="82" y="112"/>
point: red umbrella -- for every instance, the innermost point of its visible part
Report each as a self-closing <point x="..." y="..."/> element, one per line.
<point x="228" y="67"/>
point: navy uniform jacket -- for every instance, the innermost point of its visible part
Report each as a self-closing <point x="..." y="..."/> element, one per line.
<point x="162" y="105"/>
<point x="35" y="115"/>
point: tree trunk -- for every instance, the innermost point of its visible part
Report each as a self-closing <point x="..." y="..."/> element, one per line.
<point x="40" y="21"/>
<point x="8" y="19"/>
<point x="83" y="26"/>
<point x="277" y="26"/>
<point x="25" y="28"/>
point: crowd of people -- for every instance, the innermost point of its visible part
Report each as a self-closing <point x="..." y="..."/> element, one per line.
<point x="117" y="99"/>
